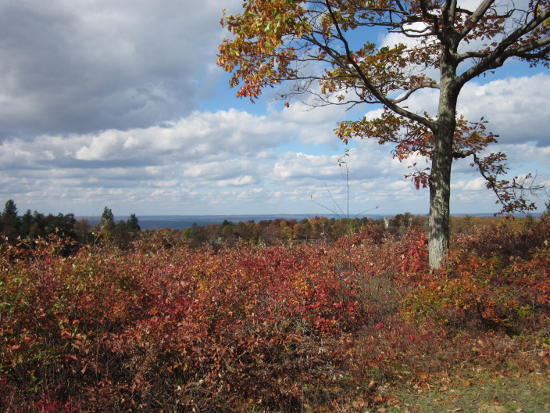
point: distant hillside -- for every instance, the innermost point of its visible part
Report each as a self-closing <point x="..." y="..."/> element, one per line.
<point x="186" y="221"/>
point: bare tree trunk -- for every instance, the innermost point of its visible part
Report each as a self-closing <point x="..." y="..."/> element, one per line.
<point x="442" y="159"/>
<point x="440" y="190"/>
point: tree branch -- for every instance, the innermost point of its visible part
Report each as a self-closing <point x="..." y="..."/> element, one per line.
<point x="506" y="191"/>
<point x="370" y="86"/>
<point x="475" y="17"/>
<point x="430" y="16"/>
<point x="432" y="85"/>
<point x="535" y="44"/>
<point x="448" y="12"/>
<point x="502" y="51"/>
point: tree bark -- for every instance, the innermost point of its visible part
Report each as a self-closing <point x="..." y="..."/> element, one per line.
<point x="440" y="190"/>
<point x="442" y="159"/>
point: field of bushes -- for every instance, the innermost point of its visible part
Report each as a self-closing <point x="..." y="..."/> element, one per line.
<point x="358" y="324"/>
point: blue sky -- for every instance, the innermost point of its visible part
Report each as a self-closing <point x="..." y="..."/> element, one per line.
<point x="121" y="104"/>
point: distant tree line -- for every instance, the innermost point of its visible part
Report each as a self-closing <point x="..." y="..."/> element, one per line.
<point x="309" y="229"/>
<point x="32" y="225"/>
<point x="315" y="229"/>
<point x="121" y="233"/>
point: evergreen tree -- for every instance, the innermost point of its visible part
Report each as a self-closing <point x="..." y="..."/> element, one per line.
<point x="10" y="209"/>
<point x="133" y="224"/>
<point x="121" y="235"/>
<point x="38" y="228"/>
<point x="10" y="224"/>
<point x="26" y="223"/>
<point x="107" y="222"/>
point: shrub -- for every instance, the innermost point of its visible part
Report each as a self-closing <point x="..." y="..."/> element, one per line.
<point x="487" y="292"/>
<point x="169" y="326"/>
<point x="508" y="238"/>
<point x="249" y="328"/>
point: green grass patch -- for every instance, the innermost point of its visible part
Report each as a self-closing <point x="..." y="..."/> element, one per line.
<point x="482" y="392"/>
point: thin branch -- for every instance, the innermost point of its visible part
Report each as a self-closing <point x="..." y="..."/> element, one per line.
<point x="449" y="13"/>
<point x="506" y="191"/>
<point x="535" y="44"/>
<point x="424" y="6"/>
<point x="432" y="85"/>
<point x="475" y="17"/>
<point x="498" y="56"/>
<point x="372" y="89"/>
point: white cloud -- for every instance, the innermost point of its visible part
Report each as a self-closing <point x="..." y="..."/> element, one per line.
<point x="239" y="181"/>
<point x="300" y="165"/>
<point x="475" y="184"/>
<point x="190" y="165"/>
<point x="84" y="65"/>
<point x="516" y="108"/>
<point x="400" y="186"/>
<point x="200" y="136"/>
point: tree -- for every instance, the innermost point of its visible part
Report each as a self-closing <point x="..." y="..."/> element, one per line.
<point x="107" y="222"/>
<point x="133" y="224"/>
<point x="10" y="210"/>
<point x="26" y="223"/>
<point x="83" y="231"/>
<point x="10" y="222"/>
<point x="322" y="47"/>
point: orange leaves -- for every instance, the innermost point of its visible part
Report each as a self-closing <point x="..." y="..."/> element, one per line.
<point x="385" y="128"/>
<point x="165" y="314"/>
<point x="257" y="53"/>
<point x="484" y="285"/>
<point x="159" y="325"/>
<point x="267" y="34"/>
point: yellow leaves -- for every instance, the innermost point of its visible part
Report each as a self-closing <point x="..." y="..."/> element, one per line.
<point x="265" y="35"/>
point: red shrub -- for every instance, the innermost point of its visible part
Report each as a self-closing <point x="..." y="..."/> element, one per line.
<point x="488" y="292"/>
<point x="166" y="326"/>
<point x="169" y="325"/>
<point x="509" y="238"/>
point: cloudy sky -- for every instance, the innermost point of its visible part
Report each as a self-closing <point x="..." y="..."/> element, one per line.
<point x="120" y="103"/>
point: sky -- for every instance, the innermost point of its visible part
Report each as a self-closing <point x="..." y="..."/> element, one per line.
<point x="121" y="104"/>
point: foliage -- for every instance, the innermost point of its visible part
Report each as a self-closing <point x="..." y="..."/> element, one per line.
<point x="498" y="278"/>
<point x="325" y="49"/>
<point x="324" y="326"/>
<point x="174" y="326"/>
<point x="270" y="232"/>
<point x="30" y="226"/>
<point x="506" y="238"/>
